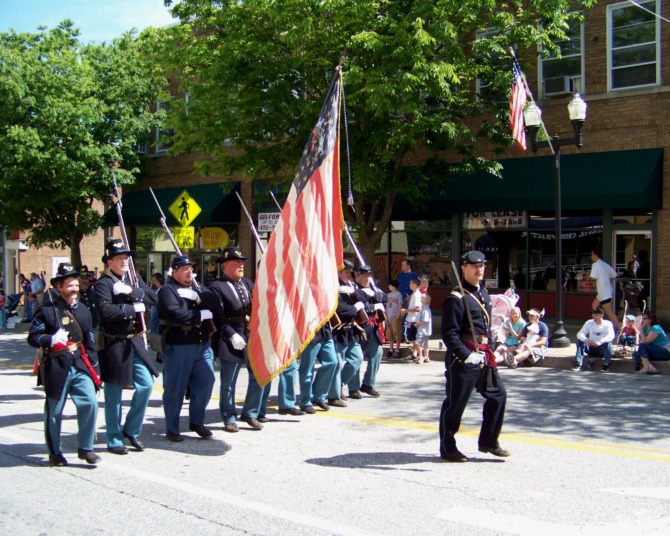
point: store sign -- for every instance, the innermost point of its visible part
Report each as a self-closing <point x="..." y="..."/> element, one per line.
<point x="184" y="237"/>
<point x="184" y="208"/>
<point x="495" y="220"/>
<point x="212" y="238"/>
<point x="267" y="221"/>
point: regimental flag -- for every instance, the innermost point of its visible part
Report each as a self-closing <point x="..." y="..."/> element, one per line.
<point x="297" y="288"/>
<point x="517" y="102"/>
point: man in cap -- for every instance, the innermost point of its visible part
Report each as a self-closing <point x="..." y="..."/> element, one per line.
<point x="86" y="293"/>
<point x="232" y="323"/>
<point x="184" y="309"/>
<point x="375" y="305"/>
<point x="62" y="329"/>
<point x="348" y="335"/>
<point x="125" y="361"/>
<point x="466" y="330"/>
<point x="595" y="339"/>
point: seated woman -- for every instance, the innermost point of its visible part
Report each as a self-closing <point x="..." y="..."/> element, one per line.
<point x="513" y="327"/>
<point x="533" y="343"/>
<point x="654" y="345"/>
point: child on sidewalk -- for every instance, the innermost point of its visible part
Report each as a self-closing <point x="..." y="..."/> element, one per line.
<point x="424" y="329"/>
<point x="394" y="320"/>
<point x="413" y="313"/>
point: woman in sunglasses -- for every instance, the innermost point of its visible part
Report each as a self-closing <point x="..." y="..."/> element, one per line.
<point x="654" y="345"/>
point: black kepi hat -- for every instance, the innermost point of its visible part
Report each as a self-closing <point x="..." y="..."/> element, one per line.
<point x="347" y="265"/>
<point x="114" y="248"/>
<point x="473" y="257"/>
<point x="363" y="269"/>
<point x="231" y="254"/>
<point x="181" y="260"/>
<point x="65" y="270"/>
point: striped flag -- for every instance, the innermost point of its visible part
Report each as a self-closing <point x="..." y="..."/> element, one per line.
<point x="297" y="288"/>
<point x="517" y="103"/>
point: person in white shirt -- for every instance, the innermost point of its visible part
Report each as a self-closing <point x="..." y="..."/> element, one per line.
<point x="603" y="274"/>
<point x="413" y="313"/>
<point x="595" y="339"/>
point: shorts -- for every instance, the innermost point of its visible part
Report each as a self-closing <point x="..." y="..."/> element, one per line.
<point x="537" y="353"/>
<point x="603" y="302"/>
<point x="422" y="339"/>
<point x="394" y="330"/>
<point x="411" y="332"/>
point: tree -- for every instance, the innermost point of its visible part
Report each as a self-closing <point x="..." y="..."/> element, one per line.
<point x="68" y="112"/>
<point x="256" y="73"/>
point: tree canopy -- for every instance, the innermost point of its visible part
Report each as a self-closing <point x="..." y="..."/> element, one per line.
<point x="256" y="73"/>
<point x="68" y="112"/>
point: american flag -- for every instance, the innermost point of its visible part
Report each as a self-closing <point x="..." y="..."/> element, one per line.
<point x="517" y="103"/>
<point x="297" y="287"/>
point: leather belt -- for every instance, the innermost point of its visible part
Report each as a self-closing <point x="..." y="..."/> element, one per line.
<point x="120" y="336"/>
<point x="483" y="339"/>
<point x="71" y="348"/>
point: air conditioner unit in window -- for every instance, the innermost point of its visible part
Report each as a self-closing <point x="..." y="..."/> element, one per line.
<point x="561" y="85"/>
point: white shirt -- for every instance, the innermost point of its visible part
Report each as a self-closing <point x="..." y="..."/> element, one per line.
<point x="603" y="273"/>
<point x="602" y="333"/>
<point x="414" y="303"/>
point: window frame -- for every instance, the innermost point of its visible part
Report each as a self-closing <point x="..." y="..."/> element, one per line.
<point x="581" y="75"/>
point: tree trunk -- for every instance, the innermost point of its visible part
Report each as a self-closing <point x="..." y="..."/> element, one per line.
<point x="75" y="250"/>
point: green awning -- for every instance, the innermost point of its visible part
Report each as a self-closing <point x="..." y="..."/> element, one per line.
<point x="612" y="180"/>
<point x="218" y="204"/>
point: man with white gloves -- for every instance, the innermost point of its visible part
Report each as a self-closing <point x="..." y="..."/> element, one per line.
<point x="125" y="362"/>
<point x="232" y="324"/>
<point x="184" y="308"/>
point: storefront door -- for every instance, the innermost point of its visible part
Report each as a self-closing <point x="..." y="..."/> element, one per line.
<point x="632" y="261"/>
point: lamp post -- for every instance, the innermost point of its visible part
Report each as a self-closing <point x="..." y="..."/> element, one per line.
<point x="533" y="119"/>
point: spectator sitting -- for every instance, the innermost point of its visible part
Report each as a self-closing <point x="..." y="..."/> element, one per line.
<point x="513" y="327"/>
<point x="654" y="345"/>
<point x="630" y="335"/>
<point x="595" y="339"/>
<point x="533" y="343"/>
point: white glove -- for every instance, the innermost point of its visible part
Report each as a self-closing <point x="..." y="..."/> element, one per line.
<point x="238" y="342"/>
<point x="369" y="292"/>
<point x="475" y="358"/>
<point x="121" y="288"/>
<point x="59" y="337"/>
<point x="359" y="305"/>
<point x="139" y="307"/>
<point x="205" y="314"/>
<point x="379" y="307"/>
<point x="188" y="294"/>
<point x="346" y="289"/>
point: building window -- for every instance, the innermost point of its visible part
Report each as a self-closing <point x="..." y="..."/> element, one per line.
<point x="163" y="135"/>
<point x="633" y="44"/>
<point x="560" y="76"/>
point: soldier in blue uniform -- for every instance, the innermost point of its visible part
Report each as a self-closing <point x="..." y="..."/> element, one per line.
<point x="62" y="329"/>
<point x="185" y="311"/>
<point x="314" y="386"/>
<point x="464" y="361"/>
<point x="348" y="336"/>
<point x="124" y="361"/>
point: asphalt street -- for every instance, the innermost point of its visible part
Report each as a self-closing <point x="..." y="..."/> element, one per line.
<point x="590" y="455"/>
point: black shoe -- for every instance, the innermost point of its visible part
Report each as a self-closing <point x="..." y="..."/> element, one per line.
<point x="356" y="395"/>
<point x="292" y="411"/>
<point x="454" y="456"/>
<point x="370" y="391"/>
<point x="263" y="419"/>
<point x="606" y="368"/>
<point x="309" y="410"/>
<point x="57" y="460"/>
<point x="577" y="367"/>
<point x="255" y="425"/>
<point x="201" y="430"/>
<point x="175" y="438"/>
<point x="135" y="442"/>
<point x="336" y="402"/>
<point x="88" y="456"/>
<point x="231" y="427"/>
<point x="322" y="404"/>
<point x="117" y="450"/>
<point x="638" y="367"/>
<point x="496" y="451"/>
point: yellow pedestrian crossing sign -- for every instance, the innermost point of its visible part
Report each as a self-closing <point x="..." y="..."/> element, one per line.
<point x="184" y="209"/>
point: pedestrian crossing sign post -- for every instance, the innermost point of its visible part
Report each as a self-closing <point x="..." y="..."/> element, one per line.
<point x="185" y="237"/>
<point x="184" y="209"/>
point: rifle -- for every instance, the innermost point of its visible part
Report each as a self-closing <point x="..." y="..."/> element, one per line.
<point x="251" y="224"/>
<point x="209" y="324"/>
<point x="141" y="322"/>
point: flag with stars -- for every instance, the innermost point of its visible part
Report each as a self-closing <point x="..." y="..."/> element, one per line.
<point x="297" y="288"/>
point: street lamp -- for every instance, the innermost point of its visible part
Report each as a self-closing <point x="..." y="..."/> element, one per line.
<point x="533" y="119"/>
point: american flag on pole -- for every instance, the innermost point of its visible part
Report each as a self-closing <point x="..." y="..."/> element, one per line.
<point x="517" y="103"/>
<point x="297" y="288"/>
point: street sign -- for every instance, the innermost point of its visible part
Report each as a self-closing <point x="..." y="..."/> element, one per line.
<point x="185" y="237"/>
<point x="184" y="209"/>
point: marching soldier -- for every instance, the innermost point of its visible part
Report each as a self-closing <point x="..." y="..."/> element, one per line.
<point x="464" y="311"/>
<point x="86" y="293"/>
<point x="347" y="336"/>
<point x="184" y="310"/>
<point x="232" y="324"/>
<point x="314" y="386"/>
<point x="125" y="360"/>
<point x="375" y="305"/>
<point x="62" y="329"/>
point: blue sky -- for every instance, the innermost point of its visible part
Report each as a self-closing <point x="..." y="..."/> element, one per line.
<point x="97" y="20"/>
